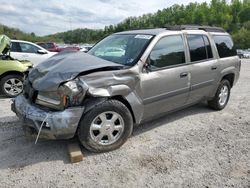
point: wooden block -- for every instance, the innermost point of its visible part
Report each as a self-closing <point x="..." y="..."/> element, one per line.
<point x="75" y="153"/>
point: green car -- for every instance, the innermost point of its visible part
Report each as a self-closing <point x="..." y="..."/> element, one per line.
<point x="12" y="71"/>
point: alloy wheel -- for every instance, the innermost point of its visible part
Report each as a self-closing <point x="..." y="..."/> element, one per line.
<point x="13" y="86"/>
<point x="107" y="128"/>
<point x="223" y="96"/>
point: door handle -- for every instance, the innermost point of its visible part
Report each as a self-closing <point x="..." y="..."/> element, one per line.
<point x="184" y="74"/>
<point x="213" y="68"/>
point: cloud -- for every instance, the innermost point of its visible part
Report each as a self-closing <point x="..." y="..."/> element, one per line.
<point x="47" y="17"/>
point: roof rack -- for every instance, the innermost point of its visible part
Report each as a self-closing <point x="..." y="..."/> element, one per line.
<point x="194" y="27"/>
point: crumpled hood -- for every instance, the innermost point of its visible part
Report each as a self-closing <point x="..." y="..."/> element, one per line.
<point x="4" y="44"/>
<point x="62" y="67"/>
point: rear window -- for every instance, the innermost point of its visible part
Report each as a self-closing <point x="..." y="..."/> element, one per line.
<point x="225" y="45"/>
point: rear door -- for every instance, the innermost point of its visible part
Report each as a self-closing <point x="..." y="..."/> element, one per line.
<point x="205" y="68"/>
<point x="166" y="86"/>
<point x="31" y="52"/>
<point x="16" y="51"/>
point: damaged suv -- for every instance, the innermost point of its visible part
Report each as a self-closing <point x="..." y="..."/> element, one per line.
<point x="100" y="96"/>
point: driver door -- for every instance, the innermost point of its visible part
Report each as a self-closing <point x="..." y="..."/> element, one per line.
<point x="166" y="85"/>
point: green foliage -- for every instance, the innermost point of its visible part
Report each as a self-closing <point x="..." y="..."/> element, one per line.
<point x="14" y="33"/>
<point x="242" y="37"/>
<point x="233" y="17"/>
<point x="244" y="14"/>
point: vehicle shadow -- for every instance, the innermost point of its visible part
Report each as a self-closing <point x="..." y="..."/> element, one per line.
<point x="171" y="117"/>
<point x="164" y="120"/>
<point x="3" y="97"/>
<point x="17" y="151"/>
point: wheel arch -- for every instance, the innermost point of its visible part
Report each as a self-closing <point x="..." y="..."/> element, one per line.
<point x="10" y="73"/>
<point x="126" y="103"/>
<point x="230" y="77"/>
<point x="134" y="106"/>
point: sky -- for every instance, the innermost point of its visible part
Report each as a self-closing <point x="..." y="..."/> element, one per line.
<point x="48" y="17"/>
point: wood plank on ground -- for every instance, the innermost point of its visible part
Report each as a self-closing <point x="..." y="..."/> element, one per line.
<point x="75" y="153"/>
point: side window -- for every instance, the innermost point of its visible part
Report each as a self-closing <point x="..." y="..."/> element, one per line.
<point x="15" y="47"/>
<point x="28" y="48"/>
<point x="43" y="45"/>
<point x="208" y="47"/>
<point x="168" y="51"/>
<point x="196" y="47"/>
<point x="199" y="47"/>
<point x="225" y="45"/>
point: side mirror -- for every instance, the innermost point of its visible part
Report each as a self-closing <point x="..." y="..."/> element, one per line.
<point x="41" y="51"/>
<point x="147" y="66"/>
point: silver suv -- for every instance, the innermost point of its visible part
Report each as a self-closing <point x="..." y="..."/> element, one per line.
<point x="126" y="79"/>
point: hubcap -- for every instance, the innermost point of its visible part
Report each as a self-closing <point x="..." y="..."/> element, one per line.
<point x="223" y="95"/>
<point x="13" y="86"/>
<point x="107" y="128"/>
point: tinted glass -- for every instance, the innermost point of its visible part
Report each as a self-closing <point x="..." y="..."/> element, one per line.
<point x="196" y="47"/>
<point x="43" y="45"/>
<point x="208" y="47"/>
<point x="121" y="49"/>
<point x="225" y="45"/>
<point x="15" y="47"/>
<point x="168" y="51"/>
<point x="28" y="48"/>
<point x="50" y="45"/>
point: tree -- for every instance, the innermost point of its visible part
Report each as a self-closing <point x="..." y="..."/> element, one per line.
<point x="243" y="38"/>
<point x="245" y="14"/>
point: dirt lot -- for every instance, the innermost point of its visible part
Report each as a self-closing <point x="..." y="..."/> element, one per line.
<point x="195" y="147"/>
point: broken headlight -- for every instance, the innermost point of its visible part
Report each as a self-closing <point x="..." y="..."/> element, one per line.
<point x="49" y="99"/>
<point x="72" y="92"/>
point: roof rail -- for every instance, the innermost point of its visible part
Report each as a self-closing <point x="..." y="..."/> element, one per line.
<point x="194" y="27"/>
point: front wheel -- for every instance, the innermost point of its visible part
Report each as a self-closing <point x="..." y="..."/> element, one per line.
<point x="105" y="127"/>
<point x="12" y="85"/>
<point x="221" y="97"/>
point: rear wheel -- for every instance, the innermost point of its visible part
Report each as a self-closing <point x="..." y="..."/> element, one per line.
<point x="221" y="97"/>
<point x="106" y="127"/>
<point x="12" y="85"/>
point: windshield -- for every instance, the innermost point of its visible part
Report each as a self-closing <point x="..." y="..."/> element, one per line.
<point x="120" y="48"/>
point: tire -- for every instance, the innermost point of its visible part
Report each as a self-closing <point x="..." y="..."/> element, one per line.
<point x="217" y="103"/>
<point x="11" y="85"/>
<point x="97" y="125"/>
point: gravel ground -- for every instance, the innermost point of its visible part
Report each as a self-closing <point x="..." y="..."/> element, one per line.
<point x="195" y="147"/>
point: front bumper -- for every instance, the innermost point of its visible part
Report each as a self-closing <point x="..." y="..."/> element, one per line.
<point x="57" y="125"/>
